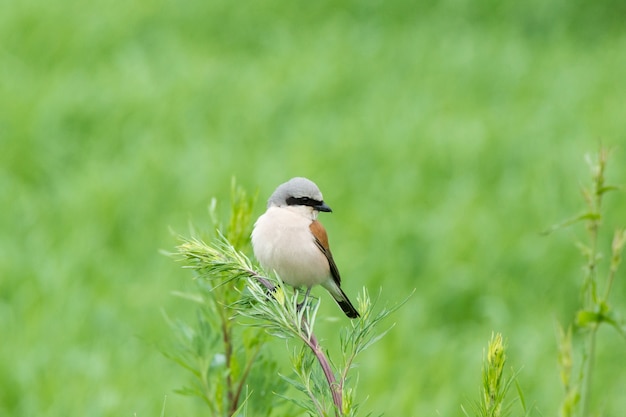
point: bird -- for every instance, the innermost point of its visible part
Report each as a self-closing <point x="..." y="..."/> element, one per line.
<point x="289" y="240"/>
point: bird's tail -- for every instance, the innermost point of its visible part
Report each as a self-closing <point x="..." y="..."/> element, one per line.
<point x="341" y="298"/>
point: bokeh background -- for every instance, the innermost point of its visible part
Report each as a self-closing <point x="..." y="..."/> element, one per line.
<point x="445" y="135"/>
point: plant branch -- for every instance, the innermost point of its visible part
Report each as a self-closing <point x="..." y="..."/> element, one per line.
<point x="335" y="389"/>
<point x="285" y="317"/>
<point x="228" y="353"/>
<point x="595" y="307"/>
<point x="265" y="303"/>
<point x="242" y="381"/>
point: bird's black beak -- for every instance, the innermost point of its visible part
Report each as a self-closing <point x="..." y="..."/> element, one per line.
<point x="323" y="207"/>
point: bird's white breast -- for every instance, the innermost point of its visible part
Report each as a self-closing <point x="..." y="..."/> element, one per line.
<point x="283" y="242"/>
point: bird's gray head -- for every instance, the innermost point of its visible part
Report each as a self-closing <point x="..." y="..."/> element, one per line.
<point x="298" y="191"/>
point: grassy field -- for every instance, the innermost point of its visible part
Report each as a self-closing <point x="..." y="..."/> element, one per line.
<point x="445" y="136"/>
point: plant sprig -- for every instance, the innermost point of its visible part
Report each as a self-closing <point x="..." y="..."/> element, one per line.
<point x="595" y="308"/>
<point x="495" y="386"/>
<point x="240" y="296"/>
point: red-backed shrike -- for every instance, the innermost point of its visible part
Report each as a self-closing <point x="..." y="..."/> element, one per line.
<point x="289" y="240"/>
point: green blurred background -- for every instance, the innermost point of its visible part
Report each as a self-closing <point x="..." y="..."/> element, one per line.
<point x="445" y="135"/>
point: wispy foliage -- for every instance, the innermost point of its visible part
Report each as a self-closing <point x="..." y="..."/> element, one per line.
<point x="239" y="308"/>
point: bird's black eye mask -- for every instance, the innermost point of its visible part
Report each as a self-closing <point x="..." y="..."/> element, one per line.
<point x="303" y="201"/>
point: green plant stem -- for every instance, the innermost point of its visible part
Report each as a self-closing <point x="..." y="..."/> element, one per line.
<point x="228" y="354"/>
<point x="244" y="376"/>
<point x="587" y="376"/>
<point x="591" y="298"/>
<point x="591" y="301"/>
<point x="585" y="394"/>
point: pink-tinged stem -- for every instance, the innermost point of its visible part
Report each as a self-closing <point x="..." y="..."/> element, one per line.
<point x="314" y="345"/>
<point x="335" y="389"/>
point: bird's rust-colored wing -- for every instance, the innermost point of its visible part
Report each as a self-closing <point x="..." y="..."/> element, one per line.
<point x="321" y="240"/>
